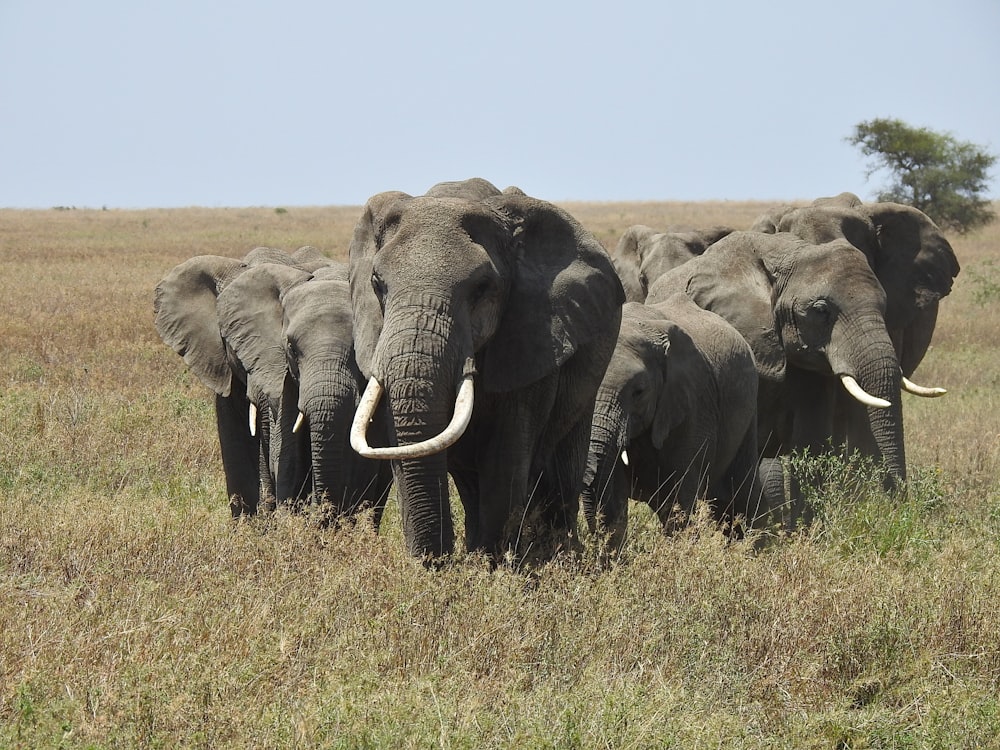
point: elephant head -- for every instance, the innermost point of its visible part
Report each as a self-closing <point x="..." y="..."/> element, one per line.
<point x="487" y="322"/>
<point x="643" y="254"/>
<point x="813" y="315"/>
<point x="909" y="254"/>
<point x="675" y="417"/>
<point x="319" y="348"/>
<point x="250" y="317"/>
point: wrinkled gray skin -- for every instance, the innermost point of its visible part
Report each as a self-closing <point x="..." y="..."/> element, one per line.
<point x="680" y="397"/>
<point x="810" y="313"/>
<point x="644" y="254"/>
<point x="292" y="332"/>
<point x="186" y="317"/>
<point x="515" y="290"/>
<point x="913" y="261"/>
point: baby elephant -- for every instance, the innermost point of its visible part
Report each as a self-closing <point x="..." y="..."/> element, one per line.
<point x="675" y="420"/>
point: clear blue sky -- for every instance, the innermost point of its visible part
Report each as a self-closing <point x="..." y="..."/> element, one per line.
<point x="167" y="103"/>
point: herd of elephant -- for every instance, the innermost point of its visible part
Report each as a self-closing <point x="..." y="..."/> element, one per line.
<point x="487" y="336"/>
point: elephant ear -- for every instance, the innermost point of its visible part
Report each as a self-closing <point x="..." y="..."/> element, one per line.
<point x="665" y="343"/>
<point x="185" y="316"/>
<point x="768" y="222"/>
<point x="250" y="320"/>
<point x="627" y="259"/>
<point x="564" y="292"/>
<point x="378" y="218"/>
<point x="733" y="280"/>
<point x="915" y="262"/>
<point x="685" y="373"/>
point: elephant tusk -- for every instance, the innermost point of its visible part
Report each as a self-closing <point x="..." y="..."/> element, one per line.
<point x="253" y="419"/>
<point x="920" y="390"/>
<point x="852" y="387"/>
<point x="625" y="457"/>
<point x="366" y="408"/>
<point x="299" y="421"/>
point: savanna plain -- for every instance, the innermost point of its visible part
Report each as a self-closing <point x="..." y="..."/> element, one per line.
<point x="135" y="613"/>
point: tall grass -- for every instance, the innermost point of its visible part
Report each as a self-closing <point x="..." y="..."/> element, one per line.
<point x="135" y="613"/>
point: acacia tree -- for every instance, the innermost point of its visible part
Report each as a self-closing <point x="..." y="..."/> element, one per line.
<point x="934" y="172"/>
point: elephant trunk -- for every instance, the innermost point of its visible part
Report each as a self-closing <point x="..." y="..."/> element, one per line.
<point x="288" y="449"/>
<point x="875" y="367"/>
<point x="420" y="362"/>
<point x="605" y="499"/>
<point x="328" y="407"/>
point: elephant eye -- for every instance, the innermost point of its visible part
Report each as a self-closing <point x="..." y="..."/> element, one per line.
<point x="379" y="287"/>
<point x="820" y="307"/>
<point x="292" y="357"/>
<point x="481" y="290"/>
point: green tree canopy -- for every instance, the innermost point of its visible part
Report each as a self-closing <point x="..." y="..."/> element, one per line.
<point x="934" y="172"/>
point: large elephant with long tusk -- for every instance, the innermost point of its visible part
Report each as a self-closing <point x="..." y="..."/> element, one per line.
<point x="814" y="316"/>
<point x="484" y="322"/>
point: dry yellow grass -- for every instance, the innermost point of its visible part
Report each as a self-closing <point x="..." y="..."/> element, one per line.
<point x="134" y="614"/>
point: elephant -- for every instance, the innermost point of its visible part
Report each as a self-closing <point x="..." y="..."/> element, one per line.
<point x="913" y="261"/>
<point x="643" y="254"/>
<point x="186" y="318"/>
<point x="675" y="420"/>
<point x="292" y="332"/>
<point x="814" y="316"/>
<point x="485" y="324"/>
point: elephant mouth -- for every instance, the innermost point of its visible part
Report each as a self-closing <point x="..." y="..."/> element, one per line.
<point x="456" y="427"/>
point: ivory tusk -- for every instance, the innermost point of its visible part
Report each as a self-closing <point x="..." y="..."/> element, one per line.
<point x="852" y="387"/>
<point x="299" y="421"/>
<point x="366" y="408"/>
<point x="920" y="390"/>
<point x="253" y="419"/>
<point x="625" y="457"/>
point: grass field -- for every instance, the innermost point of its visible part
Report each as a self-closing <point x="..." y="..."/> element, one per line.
<point x="133" y="613"/>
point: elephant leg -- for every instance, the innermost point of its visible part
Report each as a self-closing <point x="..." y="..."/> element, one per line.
<point x="781" y="494"/>
<point x="466" y="480"/>
<point x="505" y="440"/>
<point x="559" y="487"/>
<point x="741" y="485"/>
<point x="370" y="483"/>
<point x="240" y="452"/>
<point x="560" y="470"/>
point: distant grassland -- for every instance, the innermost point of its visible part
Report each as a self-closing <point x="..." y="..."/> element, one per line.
<point x="134" y="614"/>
